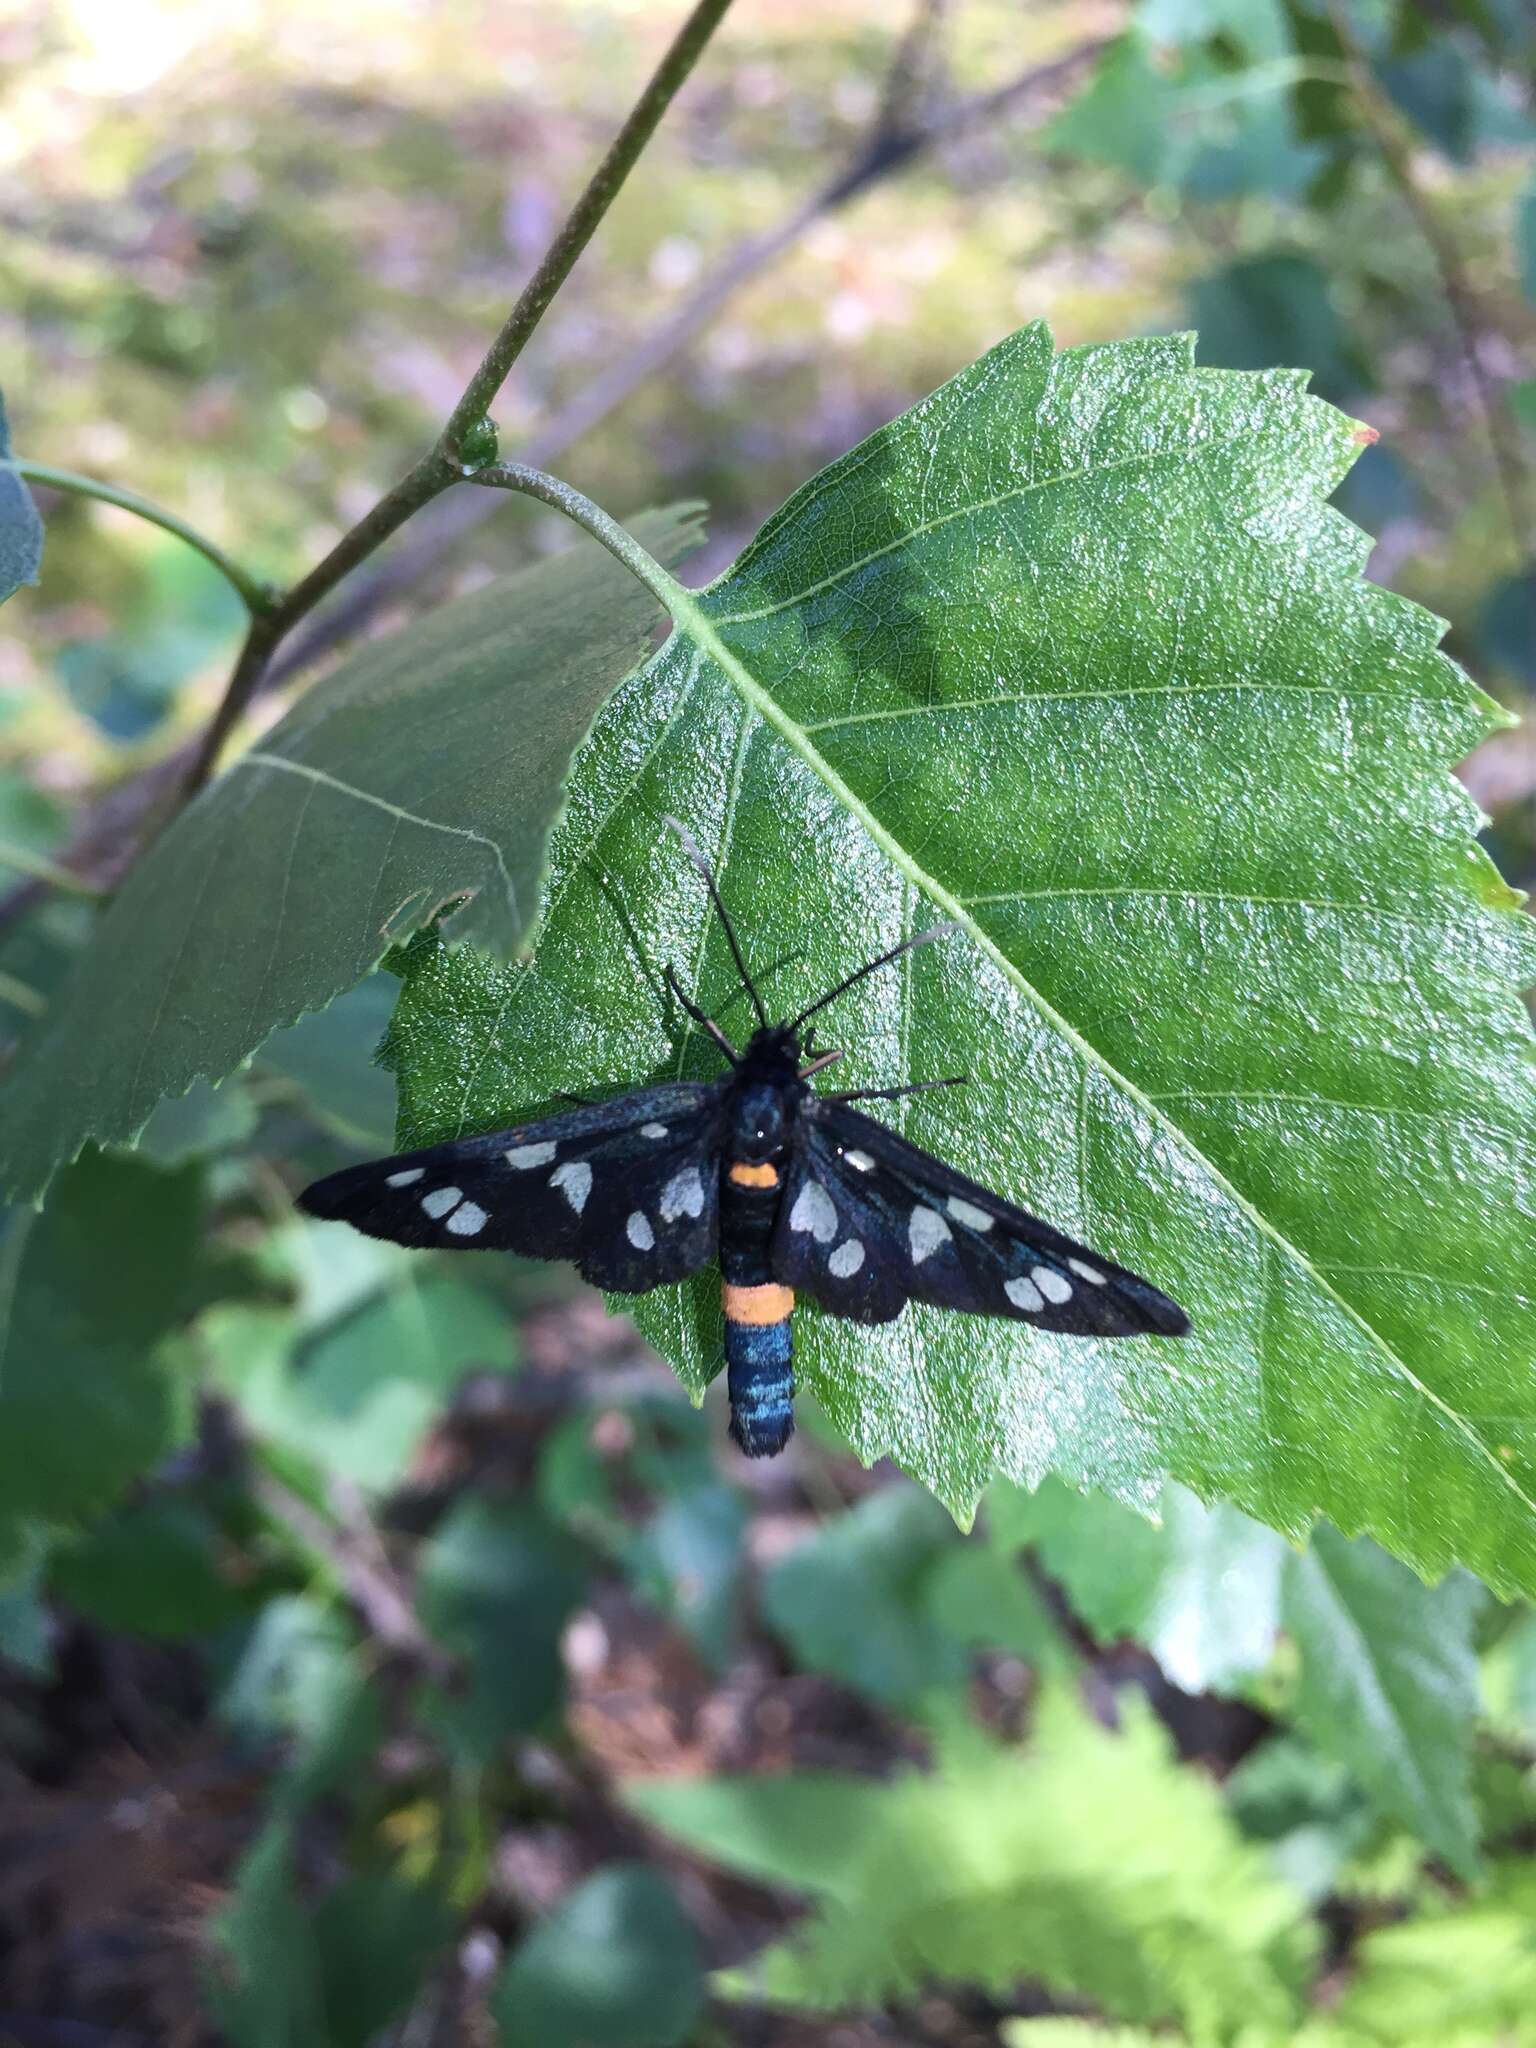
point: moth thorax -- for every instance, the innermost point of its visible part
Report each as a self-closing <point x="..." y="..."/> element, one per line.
<point x="760" y="1124"/>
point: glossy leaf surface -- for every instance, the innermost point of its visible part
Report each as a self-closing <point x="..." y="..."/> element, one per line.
<point x="1076" y="654"/>
<point x="429" y="768"/>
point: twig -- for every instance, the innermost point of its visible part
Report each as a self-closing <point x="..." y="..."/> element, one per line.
<point x="256" y="596"/>
<point x="1461" y="296"/>
<point x="467" y="437"/>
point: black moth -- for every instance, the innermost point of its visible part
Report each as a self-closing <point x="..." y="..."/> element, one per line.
<point x="789" y="1189"/>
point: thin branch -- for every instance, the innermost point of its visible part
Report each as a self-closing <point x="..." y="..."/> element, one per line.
<point x="444" y="464"/>
<point x="602" y="189"/>
<point x="363" y="1571"/>
<point x="1461" y="296"/>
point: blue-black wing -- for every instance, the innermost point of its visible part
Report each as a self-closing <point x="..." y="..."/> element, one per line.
<point x="628" y="1190"/>
<point x="869" y="1222"/>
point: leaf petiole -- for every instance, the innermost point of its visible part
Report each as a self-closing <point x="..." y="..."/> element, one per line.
<point x="257" y="597"/>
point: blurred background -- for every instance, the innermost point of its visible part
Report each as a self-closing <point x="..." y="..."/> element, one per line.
<point x="391" y="1580"/>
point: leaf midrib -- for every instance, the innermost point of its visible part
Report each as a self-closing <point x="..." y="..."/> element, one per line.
<point x="695" y="624"/>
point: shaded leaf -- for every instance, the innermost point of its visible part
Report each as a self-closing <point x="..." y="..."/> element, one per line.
<point x="206" y="1119"/>
<point x="428" y="768"/>
<point x="359" y="1395"/>
<point x="375" y="1938"/>
<point x="266" y="1985"/>
<point x="1093" y="1864"/>
<point x="1277" y="309"/>
<point x="89" y="1293"/>
<point x="21" y="531"/>
<point x="330" y="1054"/>
<point x="850" y="1599"/>
<point x="1389" y="1684"/>
<point x="614" y="1966"/>
<point x="1075" y="653"/>
<point x="496" y="1586"/>
<point x="1200" y="1588"/>
<point x="300" y="1681"/>
<point x="151" y="1570"/>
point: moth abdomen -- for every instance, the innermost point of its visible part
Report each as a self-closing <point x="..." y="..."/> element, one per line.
<point x="759" y="1357"/>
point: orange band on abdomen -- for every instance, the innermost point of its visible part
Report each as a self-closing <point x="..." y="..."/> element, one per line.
<point x="769" y="1303"/>
<point x="747" y="1176"/>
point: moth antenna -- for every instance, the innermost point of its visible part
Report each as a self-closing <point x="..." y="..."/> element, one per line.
<point x="891" y="1094"/>
<point x="936" y="931"/>
<point x="705" y="1022"/>
<point x="692" y="849"/>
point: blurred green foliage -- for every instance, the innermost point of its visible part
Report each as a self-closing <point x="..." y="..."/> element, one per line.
<point x="386" y="1652"/>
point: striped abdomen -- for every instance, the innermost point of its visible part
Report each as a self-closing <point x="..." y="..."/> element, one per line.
<point x="758" y="1347"/>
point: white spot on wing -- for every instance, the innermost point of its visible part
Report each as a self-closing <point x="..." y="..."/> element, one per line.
<point x="1054" y="1286"/>
<point x="468" y="1220"/>
<point x="926" y="1232"/>
<point x="441" y="1200"/>
<point x="846" y="1260"/>
<point x="861" y="1160"/>
<point x="683" y="1195"/>
<point x="406" y="1179"/>
<point x="813" y="1211"/>
<point x="574" y="1180"/>
<point x="1089" y="1273"/>
<point x="1024" y="1293"/>
<point x="968" y="1213"/>
<point x="653" y="1130"/>
<point x="639" y="1232"/>
<point x="525" y="1156"/>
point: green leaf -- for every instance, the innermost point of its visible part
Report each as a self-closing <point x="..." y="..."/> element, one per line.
<point x="614" y="1966"/>
<point x="1200" y="1588"/>
<point x="266" y="1985"/>
<point x="360" y="1394"/>
<point x="1094" y="1864"/>
<point x="1076" y="654"/>
<point x="206" y="1119"/>
<point x="496" y="1587"/>
<point x="375" y="1937"/>
<point x="300" y="1680"/>
<point x="984" y="1601"/>
<point x="21" y="531"/>
<point x="427" y="769"/>
<point x="1277" y="308"/>
<point x="1467" y="1974"/>
<point x="330" y="1055"/>
<point x="1188" y="121"/>
<point x="1389" y="1684"/>
<point x="89" y="1292"/>
<point x="850" y="1600"/>
<point x="152" y="1570"/>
